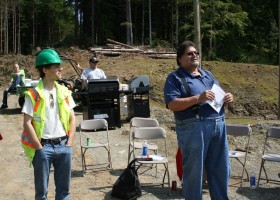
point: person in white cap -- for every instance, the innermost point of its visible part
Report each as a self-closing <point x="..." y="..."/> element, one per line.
<point x="92" y="72"/>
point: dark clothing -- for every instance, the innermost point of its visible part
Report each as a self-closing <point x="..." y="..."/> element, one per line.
<point x="12" y="88"/>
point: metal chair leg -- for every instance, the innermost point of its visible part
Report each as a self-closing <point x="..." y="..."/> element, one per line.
<point x="82" y="157"/>
<point x="110" y="159"/>
<point x="244" y="169"/>
<point x="265" y="173"/>
<point x="129" y="154"/>
<point x="85" y="159"/>
<point x="260" y="173"/>
<point x="155" y="152"/>
<point x="129" y="157"/>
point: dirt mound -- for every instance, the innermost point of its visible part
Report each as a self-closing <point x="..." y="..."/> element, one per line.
<point x="255" y="87"/>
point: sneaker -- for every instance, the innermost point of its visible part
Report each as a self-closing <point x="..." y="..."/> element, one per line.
<point x="3" y="106"/>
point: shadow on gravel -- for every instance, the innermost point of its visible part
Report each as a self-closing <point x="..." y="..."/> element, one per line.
<point x="116" y="172"/>
<point x="10" y="111"/>
<point x="104" y="189"/>
<point x="148" y="192"/>
<point x="161" y="192"/>
<point x="76" y="174"/>
<point x="259" y="193"/>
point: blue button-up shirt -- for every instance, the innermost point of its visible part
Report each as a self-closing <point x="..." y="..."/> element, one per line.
<point x="174" y="88"/>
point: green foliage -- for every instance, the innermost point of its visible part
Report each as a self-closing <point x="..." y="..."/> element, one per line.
<point x="232" y="30"/>
<point x="160" y="43"/>
<point x="221" y="20"/>
<point x="67" y="41"/>
<point x="259" y="44"/>
<point x="53" y="21"/>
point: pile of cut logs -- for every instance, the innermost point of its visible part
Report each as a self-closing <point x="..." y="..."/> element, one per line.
<point x="115" y="48"/>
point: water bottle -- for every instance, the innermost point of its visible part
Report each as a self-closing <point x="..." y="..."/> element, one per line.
<point x="89" y="141"/>
<point x="253" y="180"/>
<point x="144" y="149"/>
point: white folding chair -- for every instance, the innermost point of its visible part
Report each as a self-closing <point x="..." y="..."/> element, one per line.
<point x="238" y="131"/>
<point x="152" y="133"/>
<point x="141" y="122"/>
<point x="269" y="155"/>
<point x="88" y="129"/>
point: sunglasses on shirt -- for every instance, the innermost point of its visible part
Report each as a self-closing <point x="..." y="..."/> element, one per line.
<point x="51" y="101"/>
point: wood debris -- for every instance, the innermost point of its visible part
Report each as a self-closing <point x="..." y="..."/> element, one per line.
<point x="115" y="48"/>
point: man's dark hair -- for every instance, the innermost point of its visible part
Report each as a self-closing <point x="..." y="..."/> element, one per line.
<point x="40" y="69"/>
<point x="181" y="49"/>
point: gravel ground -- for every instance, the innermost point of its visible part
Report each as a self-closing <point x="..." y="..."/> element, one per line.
<point x="16" y="179"/>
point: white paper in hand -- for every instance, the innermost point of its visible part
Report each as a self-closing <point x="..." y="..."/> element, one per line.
<point x="218" y="102"/>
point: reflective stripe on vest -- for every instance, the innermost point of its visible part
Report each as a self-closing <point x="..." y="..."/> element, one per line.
<point x="25" y="140"/>
<point x="36" y="97"/>
<point x="67" y="101"/>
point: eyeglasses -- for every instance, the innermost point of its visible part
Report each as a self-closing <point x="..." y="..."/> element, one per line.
<point x="195" y="53"/>
<point x="51" y="101"/>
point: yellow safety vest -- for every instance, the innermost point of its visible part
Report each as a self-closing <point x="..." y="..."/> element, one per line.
<point x="39" y="115"/>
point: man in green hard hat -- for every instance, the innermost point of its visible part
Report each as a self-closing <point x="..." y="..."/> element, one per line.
<point x="49" y="127"/>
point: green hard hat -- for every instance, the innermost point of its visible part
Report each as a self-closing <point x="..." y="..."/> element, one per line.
<point x="46" y="57"/>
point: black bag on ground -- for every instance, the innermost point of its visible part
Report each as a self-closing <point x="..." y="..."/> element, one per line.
<point x="127" y="185"/>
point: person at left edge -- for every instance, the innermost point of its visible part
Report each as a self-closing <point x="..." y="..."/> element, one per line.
<point x="49" y="128"/>
<point x="18" y="79"/>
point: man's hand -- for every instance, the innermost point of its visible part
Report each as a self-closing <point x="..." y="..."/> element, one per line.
<point x="39" y="148"/>
<point x="206" y="95"/>
<point x="79" y="66"/>
<point x="69" y="144"/>
<point x="228" y="98"/>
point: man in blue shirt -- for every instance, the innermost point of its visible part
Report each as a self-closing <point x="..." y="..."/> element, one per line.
<point x="201" y="130"/>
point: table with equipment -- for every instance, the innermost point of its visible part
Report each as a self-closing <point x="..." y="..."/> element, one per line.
<point x="102" y="99"/>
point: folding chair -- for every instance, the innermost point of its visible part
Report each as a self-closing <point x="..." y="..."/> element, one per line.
<point x="152" y="133"/>
<point x="236" y="130"/>
<point x="141" y="122"/>
<point x="268" y="155"/>
<point x="88" y="129"/>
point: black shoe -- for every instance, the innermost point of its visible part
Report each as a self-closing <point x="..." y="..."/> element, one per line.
<point x="3" y="106"/>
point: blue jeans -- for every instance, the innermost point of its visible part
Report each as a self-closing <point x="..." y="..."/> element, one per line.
<point x="60" y="156"/>
<point x="203" y="141"/>
<point x="18" y="81"/>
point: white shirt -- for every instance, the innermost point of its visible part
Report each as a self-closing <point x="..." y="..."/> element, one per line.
<point x="90" y="73"/>
<point x="53" y="126"/>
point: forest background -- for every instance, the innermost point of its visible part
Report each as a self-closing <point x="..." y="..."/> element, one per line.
<point x="234" y="34"/>
<point x="232" y="30"/>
